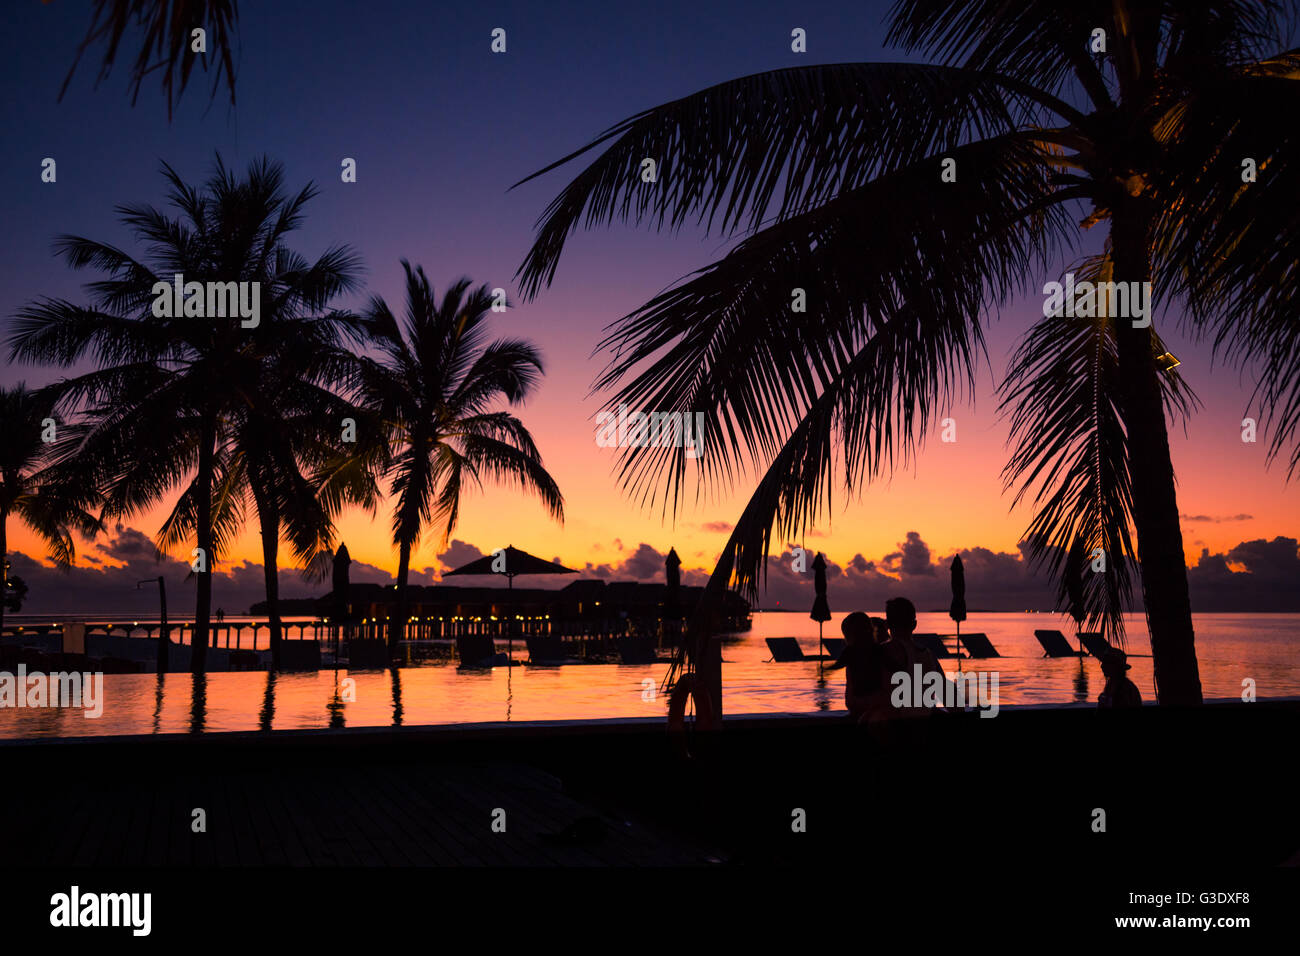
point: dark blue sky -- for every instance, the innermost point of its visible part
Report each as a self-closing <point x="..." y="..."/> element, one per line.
<point x="439" y="126"/>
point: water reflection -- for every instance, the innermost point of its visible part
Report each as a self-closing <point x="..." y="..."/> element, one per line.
<point x="266" y="718"/>
<point x="335" y="706"/>
<point x="397" y="696"/>
<point x="824" y="693"/>
<point x="1081" y="682"/>
<point x="1266" y="647"/>
<point x="198" y="703"/>
<point x="158" y="701"/>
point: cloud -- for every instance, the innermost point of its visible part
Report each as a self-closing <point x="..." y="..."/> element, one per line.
<point x="717" y="527"/>
<point x="644" y="564"/>
<point x="912" y="558"/>
<point x="1215" y="519"/>
<point x="1267" y="581"/>
<point x="994" y="580"/>
<point x="129" y="545"/>
<point x="458" y="553"/>
<point x="1255" y="575"/>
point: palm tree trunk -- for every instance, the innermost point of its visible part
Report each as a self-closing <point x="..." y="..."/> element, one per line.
<point x="270" y="522"/>
<point x="397" y="617"/>
<point x="203" y="599"/>
<point x="1155" y="501"/>
<point x="4" y="572"/>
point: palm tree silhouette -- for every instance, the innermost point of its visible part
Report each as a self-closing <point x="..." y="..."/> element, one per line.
<point x="898" y="262"/>
<point x="51" y="508"/>
<point x="433" y="387"/>
<point x="1061" y="395"/>
<point x="165" y="29"/>
<point x="287" y="428"/>
<point x="173" y="398"/>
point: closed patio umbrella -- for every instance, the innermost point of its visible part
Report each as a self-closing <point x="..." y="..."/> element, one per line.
<point x="957" y="611"/>
<point x="673" y="588"/>
<point x="672" y="596"/>
<point x="821" y="609"/>
<point x="340" y="606"/>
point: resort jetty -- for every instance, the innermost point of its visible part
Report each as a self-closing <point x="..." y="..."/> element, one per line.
<point x="587" y="620"/>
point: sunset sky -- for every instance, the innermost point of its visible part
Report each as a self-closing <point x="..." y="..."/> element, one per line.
<point x="440" y="128"/>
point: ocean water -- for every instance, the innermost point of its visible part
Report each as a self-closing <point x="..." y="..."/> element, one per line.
<point x="1231" y="649"/>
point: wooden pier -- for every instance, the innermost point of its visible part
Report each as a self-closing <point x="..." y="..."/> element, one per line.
<point x="131" y="645"/>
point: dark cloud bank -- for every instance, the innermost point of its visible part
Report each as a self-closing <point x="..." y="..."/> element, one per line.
<point x="1254" y="575"/>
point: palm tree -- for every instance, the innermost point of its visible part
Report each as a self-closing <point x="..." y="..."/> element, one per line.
<point x="52" y="509"/>
<point x="286" y="429"/>
<point x="173" y="397"/>
<point x="898" y="263"/>
<point x="434" y="386"/>
<point x="1061" y="394"/>
<point x="165" y="43"/>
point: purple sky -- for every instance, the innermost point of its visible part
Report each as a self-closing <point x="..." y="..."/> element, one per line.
<point x="440" y="128"/>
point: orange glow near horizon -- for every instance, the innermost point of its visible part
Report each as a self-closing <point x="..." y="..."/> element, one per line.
<point x="952" y="496"/>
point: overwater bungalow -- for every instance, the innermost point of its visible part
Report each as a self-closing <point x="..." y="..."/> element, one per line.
<point x="590" y="608"/>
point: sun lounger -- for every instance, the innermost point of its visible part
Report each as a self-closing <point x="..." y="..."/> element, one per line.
<point x="834" y="647"/>
<point x="1055" y="644"/>
<point x="546" y="650"/>
<point x="785" y="649"/>
<point x="302" y="655"/>
<point x="934" y="644"/>
<point x="368" y="655"/>
<point x="979" y="645"/>
<point x="1097" y="645"/>
<point x="637" y="650"/>
<point x="475" y="650"/>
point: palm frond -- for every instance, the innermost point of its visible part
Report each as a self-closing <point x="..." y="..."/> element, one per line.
<point x="164" y="28"/>
<point x="809" y="133"/>
<point x="1070" y="457"/>
<point x="903" y="248"/>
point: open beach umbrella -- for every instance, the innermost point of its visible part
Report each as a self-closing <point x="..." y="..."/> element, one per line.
<point x="509" y="563"/>
<point x="958" y="609"/>
<point x="821" y="610"/>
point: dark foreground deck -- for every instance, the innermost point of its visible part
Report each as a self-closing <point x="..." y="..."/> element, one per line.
<point x="1208" y="787"/>
<point x="390" y="815"/>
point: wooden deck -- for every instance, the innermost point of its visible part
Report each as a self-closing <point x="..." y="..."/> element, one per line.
<point x="1023" y="787"/>
<point x="388" y="815"/>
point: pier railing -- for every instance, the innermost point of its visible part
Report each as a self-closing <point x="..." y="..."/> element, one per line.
<point x="586" y="635"/>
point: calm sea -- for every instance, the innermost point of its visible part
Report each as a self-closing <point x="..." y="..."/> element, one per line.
<point x="1230" y="647"/>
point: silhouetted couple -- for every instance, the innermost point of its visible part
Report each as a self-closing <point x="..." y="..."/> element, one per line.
<point x="875" y="650"/>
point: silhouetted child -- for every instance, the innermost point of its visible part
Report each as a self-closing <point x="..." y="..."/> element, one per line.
<point x="904" y="653"/>
<point x="866" y="681"/>
<point x="1119" y="690"/>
